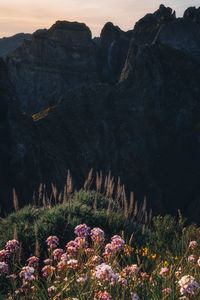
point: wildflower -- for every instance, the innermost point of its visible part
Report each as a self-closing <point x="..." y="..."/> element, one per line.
<point x="12" y="276"/>
<point x="72" y="248"/>
<point x="48" y="261"/>
<point x="122" y="281"/>
<point x="164" y="272"/>
<point x="64" y="257"/>
<point x="89" y="251"/>
<point x="97" y="236"/>
<point x="178" y="273"/>
<point x="4" y="255"/>
<point x="82" y="230"/>
<point x="81" y="242"/>
<point x="27" y="273"/>
<point x="12" y="246"/>
<point x="167" y="291"/>
<point x="193" y="244"/>
<point x="82" y="279"/>
<point x="104" y="272"/>
<point x="116" y="245"/>
<point x="73" y="264"/>
<point x="102" y="296"/>
<point x="188" y="285"/>
<point x="51" y="290"/>
<point x="96" y="260"/>
<point x="144" y="275"/>
<point x="62" y="266"/>
<point x="33" y="261"/>
<point x="198" y="261"/>
<point x="57" y="253"/>
<point x="3" y="268"/>
<point x="131" y="270"/>
<point x="52" y="241"/>
<point x="191" y="259"/>
<point x="47" y="271"/>
<point x="135" y="297"/>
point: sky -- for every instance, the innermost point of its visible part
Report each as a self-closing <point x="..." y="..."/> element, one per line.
<point x="29" y="15"/>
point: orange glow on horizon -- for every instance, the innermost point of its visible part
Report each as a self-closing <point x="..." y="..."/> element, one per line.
<point x="29" y="15"/>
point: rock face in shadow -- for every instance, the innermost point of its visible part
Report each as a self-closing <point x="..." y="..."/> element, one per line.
<point x="112" y="51"/>
<point x="130" y="105"/>
<point x="9" y="44"/>
<point x="56" y="60"/>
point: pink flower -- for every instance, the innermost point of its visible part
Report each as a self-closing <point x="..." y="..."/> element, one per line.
<point x="82" y="230"/>
<point x="135" y="297"/>
<point x="3" y="268"/>
<point x="57" y="253"/>
<point x="193" y="244"/>
<point x="52" y="241"/>
<point x="191" y="259"/>
<point x="188" y="285"/>
<point x="4" y="255"/>
<point x="27" y="273"/>
<point x="164" y="272"/>
<point x="105" y="272"/>
<point x="167" y="291"/>
<point x="47" y="271"/>
<point x="62" y="265"/>
<point x="73" y="264"/>
<point x="97" y="236"/>
<point x="48" y="261"/>
<point x="12" y="246"/>
<point x="33" y="261"/>
<point x="102" y="296"/>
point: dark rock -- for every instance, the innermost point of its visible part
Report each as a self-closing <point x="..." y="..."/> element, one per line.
<point x="193" y="14"/>
<point x="56" y="60"/>
<point x="183" y="35"/>
<point x="9" y="44"/>
<point x="112" y="50"/>
<point x="146" y="29"/>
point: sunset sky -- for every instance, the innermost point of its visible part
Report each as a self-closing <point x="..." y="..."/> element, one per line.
<point x="29" y="15"/>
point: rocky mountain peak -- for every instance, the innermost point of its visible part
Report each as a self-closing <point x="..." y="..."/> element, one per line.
<point x="192" y="13"/>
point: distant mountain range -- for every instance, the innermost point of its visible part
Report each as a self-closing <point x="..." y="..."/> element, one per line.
<point x="128" y="102"/>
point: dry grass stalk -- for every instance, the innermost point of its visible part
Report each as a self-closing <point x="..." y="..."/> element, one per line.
<point x="125" y="203"/>
<point x="60" y="197"/>
<point x="88" y="181"/>
<point x="99" y="178"/>
<point x="40" y="194"/>
<point x="54" y="192"/>
<point x="15" y="236"/>
<point x="130" y="240"/>
<point x="15" y="200"/>
<point x="37" y="245"/>
<point x="105" y="184"/>
<point x="130" y="210"/>
<point x="180" y="219"/>
<point x="110" y="186"/>
<point x="135" y="209"/>
<point x="150" y="216"/>
<point x="69" y="185"/>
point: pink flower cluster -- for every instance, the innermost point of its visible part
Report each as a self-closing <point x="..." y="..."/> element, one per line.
<point x="3" y="268"/>
<point x="193" y="244"/>
<point x="33" y="261"/>
<point x="164" y="272"/>
<point x="4" y="255"/>
<point x="12" y="246"/>
<point x="105" y="272"/>
<point x="27" y="273"/>
<point x="188" y="285"/>
<point x="82" y="230"/>
<point x="116" y="245"/>
<point x="131" y="270"/>
<point x="47" y="271"/>
<point x="97" y="236"/>
<point x="73" y="264"/>
<point x="52" y="241"/>
<point x="102" y="296"/>
<point x="57" y="253"/>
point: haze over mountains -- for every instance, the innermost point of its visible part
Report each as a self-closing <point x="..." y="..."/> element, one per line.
<point x="128" y="102"/>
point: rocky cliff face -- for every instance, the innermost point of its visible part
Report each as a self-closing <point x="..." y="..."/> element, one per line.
<point x="56" y="60"/>
<point x="144" y="129"/>
<point x="9" y="44"/>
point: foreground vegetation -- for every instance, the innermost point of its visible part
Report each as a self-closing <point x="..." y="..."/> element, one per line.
<point x="97" y="245"/>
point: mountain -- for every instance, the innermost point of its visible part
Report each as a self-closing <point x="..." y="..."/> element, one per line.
<point x="128" y="102"/>
<point x="9" y="44"/>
